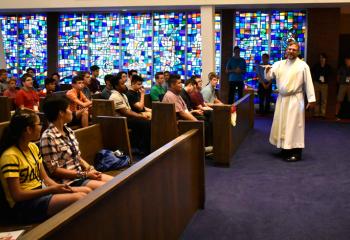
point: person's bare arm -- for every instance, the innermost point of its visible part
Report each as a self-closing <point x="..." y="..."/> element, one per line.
<point x="129" y="113"/>
<point x="187" y="116"/>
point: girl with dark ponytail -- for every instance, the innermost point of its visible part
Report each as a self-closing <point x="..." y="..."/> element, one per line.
<point x="31" y="195"/>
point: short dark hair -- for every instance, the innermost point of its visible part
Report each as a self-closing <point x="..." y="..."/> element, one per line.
<point x="55" y="73"/>
<point x="82" y="74"/>
<point x="53" y="105"/>
<point x="3" y="71"/>
<point x="130" y="72"/>
<point x="115" y="80"/>
<point x="236" y="48"/>
<point x="194" y="77"/>
<point x="25" y="76"/>
<point x="94" y="68"/>
<point x="191" y="81"/>
<point x="28" y="69"/>
<point x="166" y="72"/>
<point x="108" y="77"/>
<point x="265" y="55"/>
<point x="158" y="74"/>
<point x="323" y="55"/>
<point x="49" y="80"/>
<point x="76" y="78"/>
<point x="121" y="73"/>
<point x="136" y="78"/>
<point x="173" y="79"/>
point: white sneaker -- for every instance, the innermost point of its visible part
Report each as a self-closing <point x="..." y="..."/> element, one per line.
<point x="208" y="149"/>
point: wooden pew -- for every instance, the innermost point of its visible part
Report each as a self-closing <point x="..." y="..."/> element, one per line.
<point x="102" y="107"/>
<point x="163" y="124"/>
<point x="148" y="101"/>
<point x="5" y="109"/>
<point x="109" y="133"/>
<point x="153" y="199"/>
<point x="226" y="138"/>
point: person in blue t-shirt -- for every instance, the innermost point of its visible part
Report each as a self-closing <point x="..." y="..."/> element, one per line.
<point x="236" y="68"/>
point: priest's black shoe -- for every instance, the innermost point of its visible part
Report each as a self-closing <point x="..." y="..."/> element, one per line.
<point x="292" y="158"/>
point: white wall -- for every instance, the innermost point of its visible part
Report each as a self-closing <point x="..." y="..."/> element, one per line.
<point x="36" y="5"/>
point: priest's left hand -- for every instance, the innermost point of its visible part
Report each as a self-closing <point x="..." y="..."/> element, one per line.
<point x="311" y="105"/>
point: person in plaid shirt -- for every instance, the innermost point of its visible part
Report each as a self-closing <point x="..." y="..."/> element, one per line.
<point x="60" y="148"/>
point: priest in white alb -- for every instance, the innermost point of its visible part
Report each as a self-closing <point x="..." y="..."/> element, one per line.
<point x="293" y="79"/>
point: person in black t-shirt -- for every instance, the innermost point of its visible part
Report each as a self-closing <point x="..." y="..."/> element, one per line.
<point x="136" y="96"/>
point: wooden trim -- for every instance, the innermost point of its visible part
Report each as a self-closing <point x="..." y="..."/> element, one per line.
<point x="153" y="199"/>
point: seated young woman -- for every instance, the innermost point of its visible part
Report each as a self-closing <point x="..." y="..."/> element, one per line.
<point x="60" y="148"/>
<point x="30" y="193"/>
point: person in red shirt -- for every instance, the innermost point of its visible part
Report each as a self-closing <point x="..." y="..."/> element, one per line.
<point x="27" y="97"/>
<point x="11" y="91"/>
<point x="80" y="104"/>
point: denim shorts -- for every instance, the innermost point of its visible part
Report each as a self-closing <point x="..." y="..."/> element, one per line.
<point x="33" y="210"/>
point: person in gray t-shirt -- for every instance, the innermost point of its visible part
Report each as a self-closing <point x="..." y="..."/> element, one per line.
<point x="208" y="91"/>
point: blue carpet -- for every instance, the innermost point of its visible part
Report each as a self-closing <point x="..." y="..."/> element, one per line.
<point x="262" y="197"/>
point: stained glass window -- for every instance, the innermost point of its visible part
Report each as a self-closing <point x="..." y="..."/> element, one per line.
<point x="10" y="39"/>
<point x="73" y="47"/>
<point x="218" y="43"/>
<point x="104" y="43"/>
<point x="136" y="42"/>
<point x="285" y="27"/>
<point x="32" y="52"/>
<point x="25" y="44"/>
<point x="251" y="35"/>
<point x="194" y="45"/>
<point x="169" y="42"/>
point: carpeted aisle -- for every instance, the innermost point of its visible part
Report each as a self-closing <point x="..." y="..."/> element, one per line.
<point x="262" y="197"/>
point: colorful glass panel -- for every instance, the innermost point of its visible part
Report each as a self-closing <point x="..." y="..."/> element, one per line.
<point x="218" y="43"/>
<point x="9" y="27"/>
<point x="169" y="42"/>
<point x="286" y="27"/>
<point x="194" y="45"/>
<point x="32" y="41"/>
<point x="136" y="43"/>
<point x="251" y="35"/>
<point x="73" y="47"/>
<point x="104" y="43"/>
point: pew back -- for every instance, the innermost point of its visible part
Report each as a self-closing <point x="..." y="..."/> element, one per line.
<point x="102" y="107"/>
<point x="109" y="133"/>
<point x="5" y="109"/>
<point x="226" y="138"/>
<point x="153" y="199"/>
<point x="163" y="124"/>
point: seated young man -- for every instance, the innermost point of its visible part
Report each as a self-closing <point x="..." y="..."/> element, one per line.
<point x="106" y="92"/>
<point x="131" y="73"/>
<point x="173" y="96"/>
<point x="3" y="80"/>
<point x="94" y="85"/>
<point x="196" y="95"/>
<point x="157" y="90"/>
<point x="50" y="86"/>
<point x="140" y="124"/>
<point x="27" y="97"/>
<point x="136" y="96"/>
<point x="11" y="91"/>
<point x="79" y="103"/>
<point x="185" y="94"/>
<point x="85" y="76"/>
<point x="209" y="91"/>
<point x="60" y="148"/>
